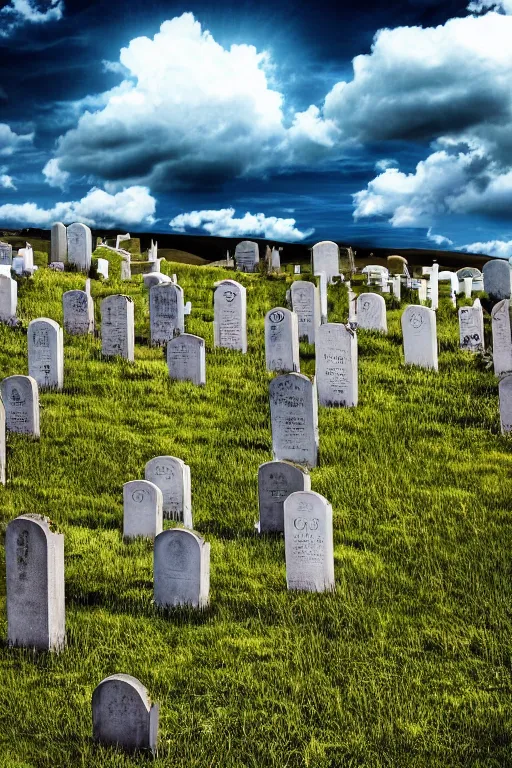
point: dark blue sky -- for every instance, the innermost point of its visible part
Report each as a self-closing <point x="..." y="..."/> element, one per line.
<point x="299" y="121"/>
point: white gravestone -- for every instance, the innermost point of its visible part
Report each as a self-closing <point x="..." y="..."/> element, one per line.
<point x="121" y="239"/>
<point x="166" y="312"/>
<point x="434" y="286"/>
<point x="397" y="287"/>
<point x="322" y="287"/>
<point x="505" y="393"/>
<point x="78" y="309"/>
<point x="8" y="298"/>
<point x="5" y="253"/>
<point x="186" y="359"/>
<point x="79" y="246"/>
<point x="172" y="476"/>
<point x="281" y="340"/>
<point x="371" y="312"/>
<point x="336" y="365"/>
<point x="187" y="309"/>
<point x="296" y="269"/>
<point x="102" y="268"/>
<point x="308" y="542"/>
<point x="502" y="337"/>
<point x="155" y="278"/>
<point x="420" y="336"/>
<point x="352" y="304"/>
<point x="18" y="265"/>
<point x="142" y="509"/>
<point x="2" y="444"/>
<point x="305" y="299"/>
<point x="46" y="353"/>
<point x="123" y="715"/>
<point x="27" y="254"/>
<point x="471" y="327"/>
<point x="247" y="256"/>
<point x="468" y="286"/>
<point x="422" y="291"/>
<point x="294" y="419"/>
<point x="497" y="279"/>
<point x="35" y="584"/>
<point x="117" y="327"/>
<point x="59" y="243"/>
<point x="276" y="481"/>
<point x="230" y="316"/>
<point x="20" y="397"/>
<point x="326" y="259"/>
<point x="181" y="569"/>
<point x="275" y="259"/>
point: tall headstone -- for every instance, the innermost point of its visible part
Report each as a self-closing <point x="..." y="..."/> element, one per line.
<point x="276" y="481"/>
<point x="27" y="254"/>
<point x="422" y="291"/>
<point x="166" y="312"/>
<point x="247" y="256"/>
<point x="142" y="509"/>
<point x="471" y="327"/>
<point x="275" y="259"/>
<point x="123" y="715"/>
<point x="126" y="267"/>
<point x="322" y="287"/>
<point x="308" y="542"/>
<point x="102" y="268"/>
<point x="352" y="305"/>
<point x="468" y="287"/>
<point x="186" y="359"/>
<point x="502" y="337"/>
<point x="336" y="365"/>
<point x="294" y="419"/>
<point x="281" y="340"/>
<point x="35" y="584"/>
<point x="230" y="316"/>
<point x="8" y="298"/>
<point x="420" y="336"/>
<point x="326" y="258"/>
<point x="59" y="243"/>
<point x="20" y="397"/>
<point x="397" y="287"/>
<point x="434" y="286"/>
<point x="371" y="312"/>
<point x="497" y="279"/>
<point x="505" y="393"/>
<point x="296" y="269"/>
<point x="117" y="327"/>
<point x="172" y="476"/>
<point x="78" y="309"/>
<point x="2" y="444"/>
<point x="46" y="353"/>
<point x="181" y="569"/>
<point x="121" y="239"/>
<point x="79" y="246"/>
<point x="5" y="253"/>
<point x="305" y="298"/>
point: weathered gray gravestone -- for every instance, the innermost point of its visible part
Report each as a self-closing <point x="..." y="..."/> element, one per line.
<point x="59" y="243"/>
<point x="20" y="396"/>
<point x="46" y="353"/>
<point x="126" y="268"/>
<point x="305" y="299"/>
<point x="308" y="542"/>
<point x="419" y="336"/>
<point x="8" y="298"/>
<point x="123" y="715"/>
<point x="35" y="584"/>
<point x="247" y="256"/>
<point x="371" y="312"/>
<point x="181" y="569"/>
<point x="471" y="327"/>
<point x="230" y="316"/>
<point x="294" y="419"/>
<point x="78" y="308"/>
<point x="275" y="259"/>
<point x="281" y="340"/>
<point x="2" y="443"/>
<point x="166" y="312"/>
<point x="505" y="393"/>
<point x="276" y="481"/>
<point x="186" y="359"/>
<point x="336" y="365"/>
<point x="502" y="337"/>
<point x="117" y="327"/>
<point x="5" y="253"/>
<point x="497" y="279"/>
<point x="325" y="257"/>
<point x="172" y="476"/>
<point x="142" y="509"/>
<point x="155" y="278"/>
<point x="79" y="246"/>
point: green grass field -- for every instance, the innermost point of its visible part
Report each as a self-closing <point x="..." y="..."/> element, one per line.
<point x="407" y="663"/>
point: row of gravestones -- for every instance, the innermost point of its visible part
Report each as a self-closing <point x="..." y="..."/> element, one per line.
<point x="71" y="245"/>
<point x="325" y="258"/>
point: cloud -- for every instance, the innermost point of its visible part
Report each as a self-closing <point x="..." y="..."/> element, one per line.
<point x="438" y="239"/>
<point x="10" y="142"/>
<point x="480" y="6"/>
<point x="131" y="207"/>
<point x="500" y="248"/>
<point x="53" y="174"/>
<point x="385" y="163"/>
<point x="20" y="12"/>
<point x="222" y="223"/>
<point x="6" y="181"/>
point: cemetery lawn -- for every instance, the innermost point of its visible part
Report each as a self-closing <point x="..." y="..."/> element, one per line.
<point x="407" y="663"/>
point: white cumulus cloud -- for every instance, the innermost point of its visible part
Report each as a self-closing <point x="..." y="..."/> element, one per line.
<point x="20" y="12"/>
<point x="438" y="239"/>
<point x="6" y="181"/>
<point x="223" y="223"/>
<point x="479" y="6"/>
<point x="500" y="248"/>
<point x="10" y="141"/>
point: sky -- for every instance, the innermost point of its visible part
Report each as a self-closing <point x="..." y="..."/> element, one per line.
<point x="295" y="121"/>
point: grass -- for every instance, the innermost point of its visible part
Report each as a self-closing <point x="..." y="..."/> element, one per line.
<point x="407" y="663"/>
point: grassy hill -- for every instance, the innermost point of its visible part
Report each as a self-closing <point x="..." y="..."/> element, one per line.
<point x="407" y="663"/>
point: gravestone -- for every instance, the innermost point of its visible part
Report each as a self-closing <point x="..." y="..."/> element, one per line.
<point x="471" y="327"/>
<point x="79" y="246"/>
<point x="8" y="298"/>
<point x="322" y="288"/>
<point x="57" y="266"/>
<point x="294" y="419"/>
<point x="296" y="269"/>
<point x="419" y="336"/>
<point x="371" y="312"/>
<point x="336" y="365"/>
<point x="434" y="286"/>
<point x="172" y="476"/>
<point x="181" y="569"/>
<point x="166" y="312"/>
<point x="27" y="254"/>
<point x="123" y="715"/>
<point x="186" y="359"/>
<point x="305" y="299"/>
<point x="59" y="243"/>
<point x="5" y="253"/>
<point x="78" y="310"/>
<point x="275" y="259"/>
<point x="102" y="268"/>
<point x="468" y="287"/>
<point x="142" y="509"/>
<point x="502" y="337"/>
<point x="18" y="265"/>
<point x="187" y="309"/>
<point x="505" y="393"/>
<point x="308" y="542"/>
<point x="34" y="558"/>
<point x="230" y="316"/>
<point x="326" y="258"/>
<point x="397" y="287"/>
<point x="126" y="267"/>
<point x="46" y="353"/>
<point x="497" y="279"/>
<point x="117" y="327"/>
<point x="121" y="239"/>
<point x="422" y="290"/>
<point x="281" y="340"/>
<point x="20" y="397"/>
<point x="352" y="304"/>
<point x="276" y="481"/>
<point x="5" y="270"/>
<point x="247" y="256"/>
<point x="2" y="444"/>
<point x="151" y="279"/>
